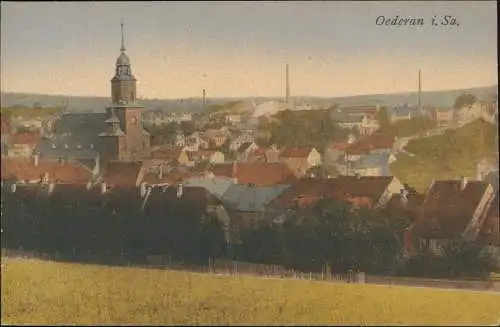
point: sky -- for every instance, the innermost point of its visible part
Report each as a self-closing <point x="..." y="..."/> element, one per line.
<point x="239" y="49"/>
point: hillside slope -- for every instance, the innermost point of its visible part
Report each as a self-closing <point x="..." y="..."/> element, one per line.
<point x="450" y="155"/>
<point x="36" y="292"/>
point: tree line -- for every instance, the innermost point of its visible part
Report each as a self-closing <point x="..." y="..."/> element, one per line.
<point x="330" y="233"/>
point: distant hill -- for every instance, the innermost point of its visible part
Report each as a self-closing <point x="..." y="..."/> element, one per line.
<point x="447" y="156"/>
<point x="97" y="104"/>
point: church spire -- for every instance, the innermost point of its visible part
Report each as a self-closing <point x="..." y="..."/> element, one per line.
<point x="122" y="49"/>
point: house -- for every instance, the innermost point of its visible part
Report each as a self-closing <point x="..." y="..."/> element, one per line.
<point x="300" y="159"/>
<point x="246" y="204"/>
<point x="233" y="118"/>
<point x="487" y="170"/>
<point x="369" y="124"/>
<point x="444" y="116"/>
<point x="402" y="112"/>
<point x="245" y="151"/>
<point x="216" y="136"/>
<point x="375" y="143"/>
<point x="164" y="175"/>
<point x="22" y="144"/>
<point x="177" y="155"/>
<point x="368" y="192"/>
<point x="361" y="110"/>
<point x="257" y="173"/>
<point x="346" y="120"/>
<point x="216" y="185"/>
<point x="452" y="208"/>
<point x="121" y="174"/>
<point x="34" y="171"/>
<point x="405" y="204"/>
<point x="374" y="164"/>
<point x="240" y="139"/>
<point x="480" y="109"/>
<point x="180" y="139"/>
<point x="211" y="156"/>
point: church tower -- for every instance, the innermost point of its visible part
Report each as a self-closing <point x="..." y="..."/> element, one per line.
<point x="125" y="139"/>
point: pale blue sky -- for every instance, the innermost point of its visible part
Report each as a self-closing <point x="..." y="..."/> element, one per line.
<point x="239" y="49"/>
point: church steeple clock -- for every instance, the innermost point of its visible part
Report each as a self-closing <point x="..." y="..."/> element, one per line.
<point x="123" y="84"/>
<point x="125" y="139"/>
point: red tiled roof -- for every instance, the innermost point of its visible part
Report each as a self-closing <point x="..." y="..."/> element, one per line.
<point x="200" y="153"/>
<point x="295" y="152"/>
<point x="121" y="173"/>
<point x="260" y="152"/>
<point x="258" y="173"/>
<point x="24" y="138"/>
<point x="169" y="178"/>
<point x="447" y="210"/>
<point x="342" y="187"/>
<point x="411" y="209"/>
<point x="374" y="141"/>
<point x="339" y="146"/>
<point x="24" y="169"/>
<point x="173" y="154"/>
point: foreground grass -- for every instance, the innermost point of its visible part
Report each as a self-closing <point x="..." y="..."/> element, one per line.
<point x="36" y="292"/>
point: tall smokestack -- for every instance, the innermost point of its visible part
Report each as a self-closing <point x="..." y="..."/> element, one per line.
<point x="204" y="99"/>
<point x="419" y="90"/>
<point x="287" y="90"/>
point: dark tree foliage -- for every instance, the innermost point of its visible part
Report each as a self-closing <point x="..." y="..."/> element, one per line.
<point x="53" y="224"/>
<point x="312" y="128"/>
<point x="464" y="100"/>
<point x="383" y="118"/>
<point x="456" y="258"/>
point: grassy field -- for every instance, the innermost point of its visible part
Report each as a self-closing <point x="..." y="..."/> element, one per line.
<point x="446" y="156"/>
<point x="36" y="292"/>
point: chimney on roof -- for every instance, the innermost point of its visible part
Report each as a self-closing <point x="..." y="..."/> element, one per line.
<point x="235" y="170"/>
<point x="463" y="183"/>
<point x="89" y="185"/>
<point x="180" y="190"/>
<point x="52" y="185"/>
<point x="160" y="173"/>
<point x="45" y="178"/>
<point x="13" y="187"/>
<point x="97" y="166"/>
<point x="103" y="187"/>
<point x="36" y="159"/>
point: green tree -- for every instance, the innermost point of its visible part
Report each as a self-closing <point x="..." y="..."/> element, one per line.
<point x="187" y="127"/>
<point x="383" y="118"/>
<point x="464" y="100"/>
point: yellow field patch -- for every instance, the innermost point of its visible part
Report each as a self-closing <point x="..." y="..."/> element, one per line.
<point x="36" y="292"/>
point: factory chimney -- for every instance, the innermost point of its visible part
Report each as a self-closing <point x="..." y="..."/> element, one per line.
<point x="419" y="91"/>
<point x="204" y="102"/>
<point x="287" y="85"/>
